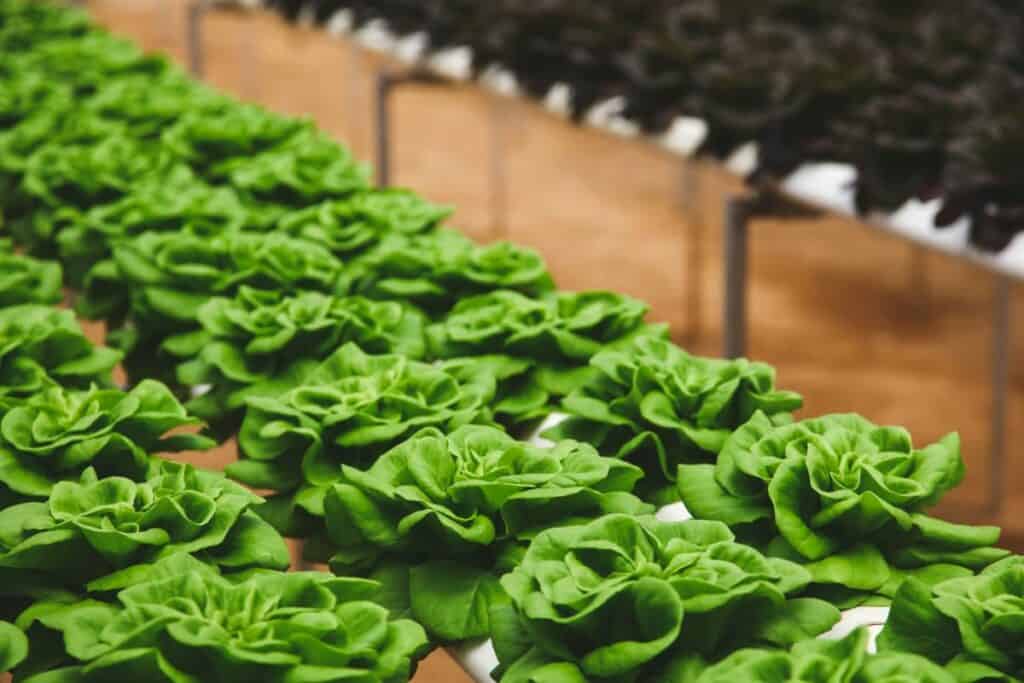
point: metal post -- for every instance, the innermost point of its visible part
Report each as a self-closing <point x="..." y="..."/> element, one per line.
<point x="385" y="86"/>
<point x="734" y="323"/>
<point x="1000" y="391"/>
<point x="383" y="114"/>
<point x="692" y="280"/>
<point x="196" y="55"/>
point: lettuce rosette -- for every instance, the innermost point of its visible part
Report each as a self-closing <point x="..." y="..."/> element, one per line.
<point x="261" y="342"/>
<point x="558" y="334"/>
<point x="184" y="623"/>
<point x="309" y="167"/>
<point x="207" y="142"/>
<point x="349" y="410"/>
<point x="30" y="222"/>
<point x="628" y="598"/>
<point x="436" y="270"/>
<point x="148" y="105"/>
<point x="86" y="61"/>
<point x="104" y="533"/>
<point x="970" y="625"/>
<point x="177" y="202"/>
<point x="846" y="498"/>
<point x="25" y="93"/>
<point x="653" y="403"/>
<point x="61" y="180"/>
<point x="25" y="280"/>
<point x="56" y="434"/>
<point x="439" y="517"/>
<point x="824" y="661"/>
<point x="352" y="225"/>
<point x="157" y="282"/>
<point x="84" y="175"/>
<point x="30" y="107"/>
<point x="27" y="24"/>
<point x="42" y="347"/>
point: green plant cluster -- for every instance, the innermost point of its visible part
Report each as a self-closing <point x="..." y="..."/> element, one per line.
<point x="383" y="378"/>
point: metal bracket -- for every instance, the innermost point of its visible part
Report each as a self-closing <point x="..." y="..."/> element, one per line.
<point x="387" y="83"/>
<point x="739" y="211"/>
<point x="196" y="55"/>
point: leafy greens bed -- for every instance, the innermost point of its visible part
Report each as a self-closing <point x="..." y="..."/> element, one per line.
<point x="382" y="373"/>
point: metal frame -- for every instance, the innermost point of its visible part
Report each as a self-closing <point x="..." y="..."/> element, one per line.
<point x="740" y="210"/>
<point x="197" y="9"/>
<point x="387" y="83"/>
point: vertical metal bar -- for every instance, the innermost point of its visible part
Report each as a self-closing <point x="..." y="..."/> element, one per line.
<point x="498" y="193"/>
<point x="692" y="263"/>
<point x="1000" y="391"/>
<point x="383" y="115"/>
<point x="196" y="62"/>
<point x="734" y="322"/>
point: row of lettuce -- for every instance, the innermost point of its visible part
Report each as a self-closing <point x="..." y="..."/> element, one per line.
<point x="381" y="372"/>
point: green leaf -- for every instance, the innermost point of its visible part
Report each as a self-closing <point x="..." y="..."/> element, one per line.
<point x="453" y="601"/>
<point x="13" y="646"/>
<point x="915" y="625"/>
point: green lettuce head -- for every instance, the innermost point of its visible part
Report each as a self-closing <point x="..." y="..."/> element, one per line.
<point x="349" y="410"/>
<point x="87" y="60"/>
<point x="159" y="281"/>
<point x="25" y="280"/>
<point x="261" y="342"/>
<point x="42" y="347"/>
<point x="559" y="333"/>
<point x="63" y="179"/>
<point x="620" y="598"/>
<point x="24" y="94"/>
<point x="183" y="623"/>
<point x="147" y="105"/>
<point x="88" y="174"/>
<point x="109" y="530"/>
<point x="437" y="269"/>
<point x="352" y="225"/>
<point x="653" y="403"/>
<point x="179" y="202"/>
<point x="28" y="24"/>
<point x="441" y="515"/>
<point x="825" y="661"/>
<point x="971" y="625"/>
<point x="207" y="142"/>
<point x="33" y="224"/>
<point x="58" y="433"/>
<point x="844" y="496"/>
<point x="309" y="167"/>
